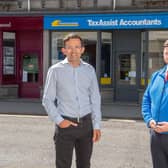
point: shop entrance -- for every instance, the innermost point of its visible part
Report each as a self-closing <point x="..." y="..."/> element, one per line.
<point x="127" y="65"/>
<point x="29" y="85"/>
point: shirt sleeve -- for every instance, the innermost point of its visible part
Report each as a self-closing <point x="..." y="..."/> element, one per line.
<point x="95" y="102"/>
<point x="146" y="103"/>
<point x="49" y="97"/>
<point x="146" y="107"/>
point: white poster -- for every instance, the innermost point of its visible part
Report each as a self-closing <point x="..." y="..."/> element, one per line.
<point x="24" y="77"/>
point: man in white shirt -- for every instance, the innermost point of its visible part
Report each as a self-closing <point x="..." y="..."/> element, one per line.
<point x="73" y="84"/>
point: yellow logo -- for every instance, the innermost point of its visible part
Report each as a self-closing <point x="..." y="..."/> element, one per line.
<point x="57" y="23"/>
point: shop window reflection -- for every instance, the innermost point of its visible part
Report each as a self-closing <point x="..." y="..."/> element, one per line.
<point x="156" y="40"/>
<point x="106" y="79"/>
<point x="127" y="69"/>
<point x="90" y="41"/>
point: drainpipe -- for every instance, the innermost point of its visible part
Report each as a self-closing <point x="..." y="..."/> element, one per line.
<point x="28" y="5"/>
<point x="114" y="5"/>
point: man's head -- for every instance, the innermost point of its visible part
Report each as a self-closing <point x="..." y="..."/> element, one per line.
<point x="73" y="47"/>
<point x="165" y="52"/>
<point x="73" y="36"/>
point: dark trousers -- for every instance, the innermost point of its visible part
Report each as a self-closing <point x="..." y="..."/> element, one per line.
<point x="80" y="138"/>
<point x="159" y="149"/>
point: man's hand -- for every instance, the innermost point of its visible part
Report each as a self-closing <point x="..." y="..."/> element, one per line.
<point x="161" y="127"/>
<point x="66" y="124"/>
<point x="96" y="135"/>
<point x="152" y="124"/>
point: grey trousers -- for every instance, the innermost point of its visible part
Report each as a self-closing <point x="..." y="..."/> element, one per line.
<point x="159" y="149"/>
<point x="78" y="138"/>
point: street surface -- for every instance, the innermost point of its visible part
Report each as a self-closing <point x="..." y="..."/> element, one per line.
<point x="26" y="142"/>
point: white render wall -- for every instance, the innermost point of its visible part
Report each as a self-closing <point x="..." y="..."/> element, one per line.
<point x="71" y="4"/>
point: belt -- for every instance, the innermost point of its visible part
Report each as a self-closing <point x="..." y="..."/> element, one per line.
<point x="78" y="120"/>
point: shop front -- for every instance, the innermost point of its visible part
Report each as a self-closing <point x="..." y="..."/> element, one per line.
<point x="119" y="46"/>
<point x="21" y="44"/>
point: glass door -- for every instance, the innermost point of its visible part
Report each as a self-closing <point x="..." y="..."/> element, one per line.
<point x="30" y="70"/>
<point x="126" y="77"/>
<point x="29" y="87"/>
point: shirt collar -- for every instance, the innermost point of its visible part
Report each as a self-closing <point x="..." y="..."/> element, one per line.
<point x="65" y="61"/>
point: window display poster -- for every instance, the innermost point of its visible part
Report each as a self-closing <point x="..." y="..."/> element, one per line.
<point x="8" y="51"/>
<point x="8" y="70"/>
<point x="25" y="76"/>
<point x="8" y="60"/>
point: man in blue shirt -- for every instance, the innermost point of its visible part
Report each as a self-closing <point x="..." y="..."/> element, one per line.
<point x="72" y="84"/>
<point x="155" y="113"/>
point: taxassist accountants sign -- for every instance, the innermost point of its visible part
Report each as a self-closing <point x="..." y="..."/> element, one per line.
<point x="107" y="21"/>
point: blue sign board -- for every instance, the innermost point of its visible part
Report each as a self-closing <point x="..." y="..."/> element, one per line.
<point x="107" y="21"/>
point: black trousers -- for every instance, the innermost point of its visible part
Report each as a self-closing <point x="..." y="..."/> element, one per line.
<point x="78" y="138"/>
<point x="159" y="149"/>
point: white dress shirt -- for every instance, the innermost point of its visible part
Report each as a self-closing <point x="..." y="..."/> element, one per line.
<point x="166" y="73"/>
<point x="76" y="91"/>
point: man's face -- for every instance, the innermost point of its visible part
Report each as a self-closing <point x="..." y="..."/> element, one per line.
<point x="165" y="55"/>
<point x="73" y="50"/>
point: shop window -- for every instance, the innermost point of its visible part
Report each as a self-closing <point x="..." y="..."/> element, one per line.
<point x="144" y="41"/>
<point x="9" y="57"/>
<point x="90" y="41"/>
<point x="105" y="58"/>
<point x="30" y="68"/>
<point x="127" y="69"/>
<point x="156" y="40"/>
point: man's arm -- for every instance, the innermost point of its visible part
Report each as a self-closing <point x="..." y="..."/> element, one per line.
<point x="146" y="104"/>
<point x="146" y="107"/>
<point x="95" y="102"/>
<point x="49" y="97"/>
<point x="96" y="108"/>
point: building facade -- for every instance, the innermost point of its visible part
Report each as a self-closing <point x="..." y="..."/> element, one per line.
<point x="21" y="43"/>
<point x="123" y="41"/>
<point x="124" y="48"/>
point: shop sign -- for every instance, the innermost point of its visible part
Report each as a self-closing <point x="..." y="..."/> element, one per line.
<point x="21" y="23"/>
<point x="107" y="21"/>
<point x="6" y="24"/>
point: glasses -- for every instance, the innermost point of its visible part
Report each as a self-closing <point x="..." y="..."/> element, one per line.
<point x="73" y="48"/>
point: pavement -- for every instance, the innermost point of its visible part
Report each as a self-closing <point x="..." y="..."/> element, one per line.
<point x="33" y="107"/>
<point x="26" y="139"/>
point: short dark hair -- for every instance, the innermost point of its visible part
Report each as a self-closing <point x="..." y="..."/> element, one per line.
<point x="165" y="43"/>
<point x="72" y="36"/>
